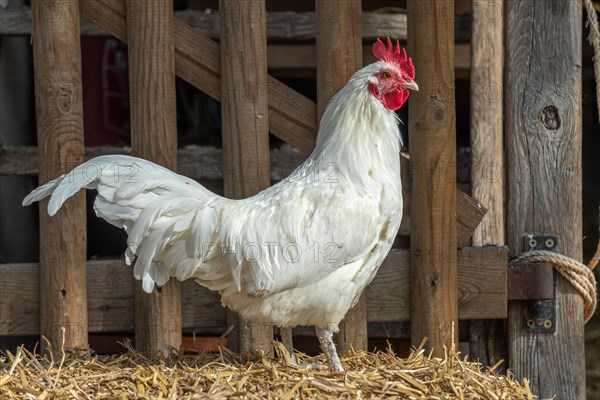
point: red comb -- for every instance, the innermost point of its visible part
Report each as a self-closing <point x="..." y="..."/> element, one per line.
<point x="391" y="55"/>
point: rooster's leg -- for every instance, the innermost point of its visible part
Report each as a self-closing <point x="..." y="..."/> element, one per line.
<point x="286" y="339"/>
<point x="326" y="339"/>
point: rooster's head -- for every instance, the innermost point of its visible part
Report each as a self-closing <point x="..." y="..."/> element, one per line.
<point x="394" y="76"/>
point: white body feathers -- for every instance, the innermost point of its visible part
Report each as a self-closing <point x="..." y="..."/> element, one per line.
<point x="298" y="253"/>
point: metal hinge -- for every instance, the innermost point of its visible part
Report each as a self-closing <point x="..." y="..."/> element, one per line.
<point x="535" y="284"/>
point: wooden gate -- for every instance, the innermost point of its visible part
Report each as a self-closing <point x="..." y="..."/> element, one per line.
<point x="449" y="279"/>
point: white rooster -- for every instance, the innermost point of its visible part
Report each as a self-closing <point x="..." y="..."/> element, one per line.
<point x="298" y="253"/>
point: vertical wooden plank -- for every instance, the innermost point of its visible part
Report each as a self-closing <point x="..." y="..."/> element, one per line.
<point x="57" y="68"/>
<point x="487" y="146"/>
<point x="339" y="55"/>
<point x="543" y="144"/>
<point x="244" y="108"/>
<point x="339" y="46"/>
<point x="154" y="137"/>
<point x="434" y="302"/>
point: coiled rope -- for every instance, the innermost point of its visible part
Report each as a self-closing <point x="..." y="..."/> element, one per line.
<point x="581" y="276"/>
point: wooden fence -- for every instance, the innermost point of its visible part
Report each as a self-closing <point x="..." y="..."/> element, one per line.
<point x="449" y="279"/>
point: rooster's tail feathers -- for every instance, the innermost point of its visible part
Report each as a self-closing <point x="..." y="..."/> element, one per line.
<point x="160" y="210"/>
<point x="118" y="168"/>
<point x="42" y="192"/>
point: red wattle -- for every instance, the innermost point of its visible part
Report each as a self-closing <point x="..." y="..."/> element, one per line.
<point x="393" y="100"/>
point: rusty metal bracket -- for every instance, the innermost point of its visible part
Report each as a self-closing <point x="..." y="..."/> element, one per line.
<point x="530" y="281"/>
<point x="540" y="314"/>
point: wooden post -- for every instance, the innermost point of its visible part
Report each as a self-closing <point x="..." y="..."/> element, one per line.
<point x="339" y="46"/>
<point x="339" y="55"/>
<point x="244" y="109"/>
<point x="154" y="137"/>
<point x="487" y="170"/>
<point x="487" y="145"/>
<point x="434" y="303"/>
<point x="57" y="67"/>
<point x="543" y="144"/>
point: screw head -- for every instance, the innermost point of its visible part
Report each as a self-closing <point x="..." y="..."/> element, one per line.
<point x="549" y="243"/>
<point x="547" y="324"/>
<point x="531" y="323"/>
<point x="532" y="243"/>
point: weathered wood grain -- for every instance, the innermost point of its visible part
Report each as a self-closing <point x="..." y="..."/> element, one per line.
<point x="339" y="56"/>
<point x="197" y="162"/>
<point x="472" y="263"/>
<point x="245" y="119"/>
<point x="432" y="132"/>
<point x="481" y="288"/>
<point x="304" y="26"/>
<point x="293" y="28"/>
<point x="469" y="211"/>
<point x="244" y="106"/>
<point x="20" y="299"/>
<point x="110" y="301"/>
<point x="59" y="110"/>
<point x="487" y="139"/>
<point x="487" y="147"/>
<point x="303" y="56"/>
<point x="543" y="144"/>
<point x="339" y="47"/>
<point x="480" y="270"/>
<point x="154" y="137"/>
<point x="289" y="25"/>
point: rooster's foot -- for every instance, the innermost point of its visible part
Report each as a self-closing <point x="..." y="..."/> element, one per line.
<point x="286" y="339"/>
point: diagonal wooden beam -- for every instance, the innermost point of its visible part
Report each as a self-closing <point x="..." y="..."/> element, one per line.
<point x="292" y="116"/>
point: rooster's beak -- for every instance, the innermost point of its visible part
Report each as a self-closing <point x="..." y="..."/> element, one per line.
<point x="412" y="85"/>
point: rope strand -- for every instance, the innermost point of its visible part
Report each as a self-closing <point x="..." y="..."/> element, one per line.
<point x="594" y="40"/>
<point x="579" y="275"/>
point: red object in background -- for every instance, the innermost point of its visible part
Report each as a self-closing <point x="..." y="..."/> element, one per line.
<point x="105" y="92"/>
<point x="110" y="343"/>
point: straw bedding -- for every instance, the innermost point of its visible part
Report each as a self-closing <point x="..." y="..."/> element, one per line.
<point x="225" y="376"/>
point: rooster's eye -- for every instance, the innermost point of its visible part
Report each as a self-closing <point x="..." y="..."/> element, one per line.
<point x="386" y="75"/>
